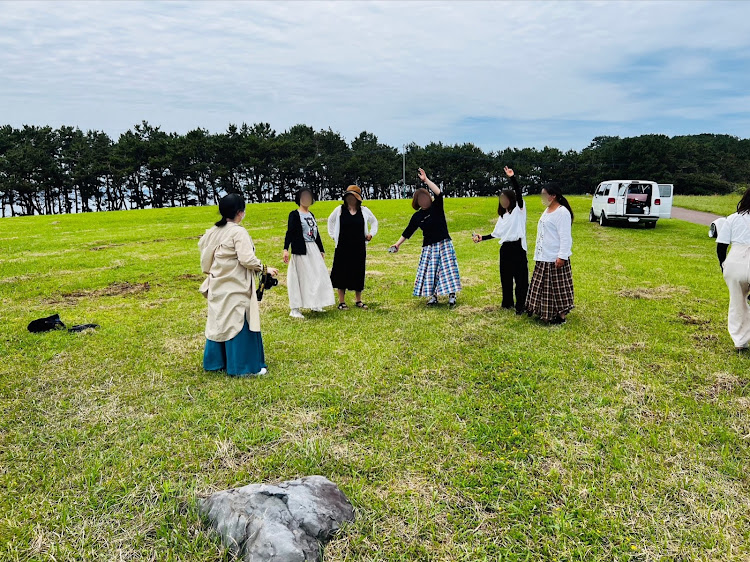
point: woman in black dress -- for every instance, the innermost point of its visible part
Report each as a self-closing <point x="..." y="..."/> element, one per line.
<point x="351" y="226"/>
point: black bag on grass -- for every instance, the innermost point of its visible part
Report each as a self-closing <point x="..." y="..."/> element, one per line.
<point x="54" y="323"/>
<point x="46" y="324"/>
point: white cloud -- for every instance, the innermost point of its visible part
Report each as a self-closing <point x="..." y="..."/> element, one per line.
<point x="405" y="71"/>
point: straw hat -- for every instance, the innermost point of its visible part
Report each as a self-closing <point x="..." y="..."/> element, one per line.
<point x="354" y="190"/>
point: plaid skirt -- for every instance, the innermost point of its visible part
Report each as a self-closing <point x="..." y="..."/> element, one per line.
<point x="550" y="290"/>
<point x="437" y="272"/>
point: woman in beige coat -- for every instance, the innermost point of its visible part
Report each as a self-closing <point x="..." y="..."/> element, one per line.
<point x="233" y="340"/>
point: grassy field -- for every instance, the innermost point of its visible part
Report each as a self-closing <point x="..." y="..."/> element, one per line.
<point x="465" y="434"/>
<point x="720" y="204"/>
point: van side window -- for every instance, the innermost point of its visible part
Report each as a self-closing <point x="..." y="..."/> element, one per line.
<point x="602" y="189"/>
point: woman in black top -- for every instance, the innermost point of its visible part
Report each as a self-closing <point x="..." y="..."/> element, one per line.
<point x="437" y="273"/>
<point x="351" y="226"/>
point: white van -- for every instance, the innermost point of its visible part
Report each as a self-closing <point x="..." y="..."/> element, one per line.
<point x="631" y="201"/>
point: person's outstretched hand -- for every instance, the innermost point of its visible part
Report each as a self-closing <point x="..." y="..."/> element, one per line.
<point x="422" y="175"/>
<point x="509" y="172"/>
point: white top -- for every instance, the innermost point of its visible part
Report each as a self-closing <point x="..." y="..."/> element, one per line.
<point x="554" y="236"/>
<point x="736" y="230"/>
<point x="512" y="226"/>
<point x="371" y="223"/>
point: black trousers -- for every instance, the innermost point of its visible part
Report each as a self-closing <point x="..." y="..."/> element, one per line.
<point x="514" y="267"/>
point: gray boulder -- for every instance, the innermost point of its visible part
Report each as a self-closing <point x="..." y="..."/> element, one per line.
<point x="289" y="522"/>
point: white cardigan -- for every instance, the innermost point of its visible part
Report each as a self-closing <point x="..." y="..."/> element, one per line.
<point x="334" y="223"/>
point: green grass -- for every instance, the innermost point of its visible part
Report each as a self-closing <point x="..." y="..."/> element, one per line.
<point x="719" y="204"/>
<point x="466" y="434"/>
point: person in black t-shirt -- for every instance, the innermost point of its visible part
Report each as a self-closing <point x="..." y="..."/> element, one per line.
<point x="437" y="272"/>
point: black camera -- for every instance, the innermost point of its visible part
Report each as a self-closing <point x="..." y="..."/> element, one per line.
<point x="265" y="281"/>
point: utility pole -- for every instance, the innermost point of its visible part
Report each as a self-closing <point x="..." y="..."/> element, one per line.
<point x="403" y="181"/>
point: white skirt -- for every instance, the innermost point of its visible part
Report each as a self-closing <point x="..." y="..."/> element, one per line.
<point x="307" y="280"/>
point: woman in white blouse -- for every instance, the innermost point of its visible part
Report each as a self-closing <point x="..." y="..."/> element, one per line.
<point x="551" y="288"/>
<point x="736" y="268"/>
<point x="510" y="230"/>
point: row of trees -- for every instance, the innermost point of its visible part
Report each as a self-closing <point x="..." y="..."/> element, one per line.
<point x="46" y="171"/>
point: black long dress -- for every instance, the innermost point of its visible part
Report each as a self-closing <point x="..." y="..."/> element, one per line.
<point x="348" y="270"/>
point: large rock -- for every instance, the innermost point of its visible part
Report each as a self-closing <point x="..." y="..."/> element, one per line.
<point x="289" y="522"/>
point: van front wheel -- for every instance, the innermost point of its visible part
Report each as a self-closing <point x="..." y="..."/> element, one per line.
<point x="603" y="219"/>
<point x="592" y="216"/>
<point x="651" y="224"/>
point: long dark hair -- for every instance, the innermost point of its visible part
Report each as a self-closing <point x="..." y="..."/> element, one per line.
<point x="511" y="195"/>
<point x="743" y="207"/>
<point x="554" y="189"/>
<point x="229" y="206"/>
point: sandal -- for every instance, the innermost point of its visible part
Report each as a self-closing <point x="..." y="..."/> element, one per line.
<point x="360" y="304"/>
<point x="342" y="306"/>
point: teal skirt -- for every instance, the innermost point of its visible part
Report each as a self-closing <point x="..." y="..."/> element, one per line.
<point x="242" y="355"/>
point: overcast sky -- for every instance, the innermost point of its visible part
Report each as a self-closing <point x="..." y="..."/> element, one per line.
<point x="493" y="73"/>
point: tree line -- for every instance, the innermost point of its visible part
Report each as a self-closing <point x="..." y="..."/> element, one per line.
<point x="65" y="170"/>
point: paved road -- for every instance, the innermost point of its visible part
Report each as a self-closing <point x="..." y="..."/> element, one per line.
<point x="697" y="217"/>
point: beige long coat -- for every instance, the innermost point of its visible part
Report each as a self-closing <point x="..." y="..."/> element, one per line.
<point x="229" y="261"/>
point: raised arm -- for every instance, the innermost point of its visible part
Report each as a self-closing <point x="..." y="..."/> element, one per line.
<point x="428" y="182"/>
<point x="517" y="188"/>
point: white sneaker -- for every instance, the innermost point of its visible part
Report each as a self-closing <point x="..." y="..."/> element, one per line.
<point x="263" y="371"/>
<point x="295" y="313"/>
